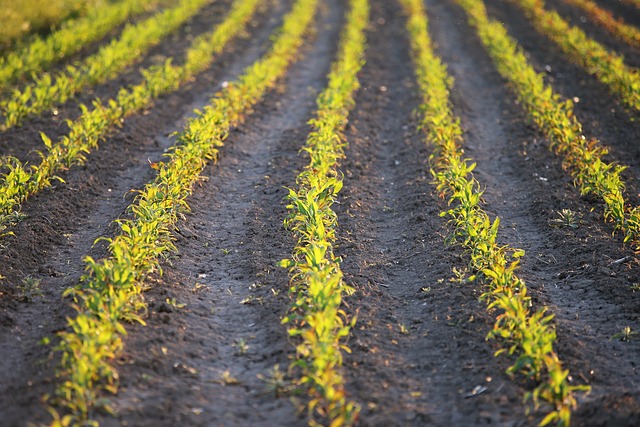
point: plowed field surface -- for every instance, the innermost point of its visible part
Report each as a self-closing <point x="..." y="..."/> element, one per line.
<point x="418" y="351"/>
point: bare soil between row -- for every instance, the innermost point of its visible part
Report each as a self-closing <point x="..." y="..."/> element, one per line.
<point x="418" y="351"/>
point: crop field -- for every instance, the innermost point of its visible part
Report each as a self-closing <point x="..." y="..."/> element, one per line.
<point x="320" y="212"/>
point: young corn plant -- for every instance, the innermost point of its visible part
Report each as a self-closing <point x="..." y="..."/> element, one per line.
<point x="20" y="181"/>
<point x="110" y="294"/>
<point x="40" y="53"/>
<point x="556" y="119"/>
<point x="47" y="91"/>
<point x="527" y="336"/>
<point x="608" y="67"/>
<point x="316" y="316"/>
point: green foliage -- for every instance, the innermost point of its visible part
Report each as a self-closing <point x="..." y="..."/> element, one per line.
<point x="607" y="66"/>
<point x="22" y="181"/>
<point x="47" y="91"/>
<point x="316" y="318"/>
<point x="111" y="291"/>
<point x="29" y="16"/>
<point x="527" y="336"/>
<point x="40" y="53"/>
<point x="555" y="117"/>
<point x="603" y="17"/>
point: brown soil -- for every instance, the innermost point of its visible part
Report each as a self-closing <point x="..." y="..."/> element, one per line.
<point x="418" y="348"/>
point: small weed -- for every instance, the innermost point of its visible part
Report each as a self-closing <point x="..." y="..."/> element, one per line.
<point x="276" y="382"/>
<point x="625" y="335"/>
<point x="29" y="289"/>
<point x="403" y="329"/>
<point x="460" y="276"/>
<point x="567" y="218"/>
<point x="241" y="346"/>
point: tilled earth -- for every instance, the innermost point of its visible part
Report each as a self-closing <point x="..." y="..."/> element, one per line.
<point x="418" y="350"/>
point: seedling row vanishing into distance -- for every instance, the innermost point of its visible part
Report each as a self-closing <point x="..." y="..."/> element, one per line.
<point x="48" y="91"/>
<point x="608" y="67"/>
<point x="41" y="52"/>
<point x="316" y="316"/>
<point x="110" y="293"/>
<point x="527" y="335"/>
<point x="604" y="18"/>
<point x="555" y="118"/>
<point x="20" y="181"/>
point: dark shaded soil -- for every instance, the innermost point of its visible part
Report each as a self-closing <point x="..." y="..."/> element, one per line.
<point x="418" y="348"/>
<point x="575" y="16"/>
<point x="622" y="9"/>
<point x="419" y="355"/>
<point x="63" y="223"/>
<point x="567" y="269"/>
<point x="226" y="275"/>
<point x="23" y="141"/>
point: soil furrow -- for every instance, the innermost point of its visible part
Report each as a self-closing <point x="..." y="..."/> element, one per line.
<point x="22" y="141"/>
<point x="576" y="17"/>
<point x="601" y="113"/>
<point x="417" y="331"/>
<point x="569" y="269"/>
<point x="85" y="51"/>
<point x="63" y="222"/>
<point x="200" y="364"/>
<point x="622" y="9"/>
<point x="209" y="353"/>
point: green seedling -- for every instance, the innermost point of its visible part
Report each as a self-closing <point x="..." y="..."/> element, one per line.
<point x="275" y="382"/>
<point x="316" y="318"/>
<point x="241" y="346"/>
<point x="566" y="218"/>
<point x="528" y="336"/>
<point x="110" y="292"/>
<point x="30" y="288"/>
<point x="626" y="334"/>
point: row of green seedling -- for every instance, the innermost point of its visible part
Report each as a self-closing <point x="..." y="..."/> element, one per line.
<point x="48" y="90"/>
<point x="608" y="67"/>
<point x="316" y="317"/>
<point x="604" y="18"/>
<point x="110" y="293"/>
<point x="26" y="18"/>
<point x="528" y="336"/>
<point x="41" y="52"/>
<point x="556" y="119"/>
<point x="21" y="181"/>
